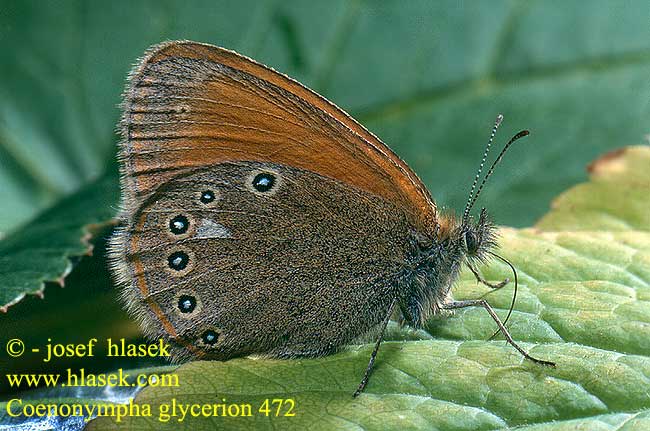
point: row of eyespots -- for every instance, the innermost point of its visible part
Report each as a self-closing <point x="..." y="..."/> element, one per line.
<point x="179" y="260"/>
<point x="186" y="305"/>
<point x="179" y="225"/>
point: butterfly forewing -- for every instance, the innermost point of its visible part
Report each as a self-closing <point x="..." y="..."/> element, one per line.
<point x="191" y="105"/>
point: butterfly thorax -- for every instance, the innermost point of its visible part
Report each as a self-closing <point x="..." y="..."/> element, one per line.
<point x="435" y="264"/>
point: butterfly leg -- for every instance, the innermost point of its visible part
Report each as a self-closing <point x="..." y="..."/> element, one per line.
<point x="480" y="279"/>
<point x="483" y="303"/>
<point x="366" y="376"/>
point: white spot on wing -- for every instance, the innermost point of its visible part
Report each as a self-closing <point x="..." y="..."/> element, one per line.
<point x="211" y="229"/>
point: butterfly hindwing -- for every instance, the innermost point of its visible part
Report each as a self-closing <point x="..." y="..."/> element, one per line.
<point x="261" y="258"/>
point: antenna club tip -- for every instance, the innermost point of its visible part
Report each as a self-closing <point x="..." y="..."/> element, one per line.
<point x="499" y="119"/>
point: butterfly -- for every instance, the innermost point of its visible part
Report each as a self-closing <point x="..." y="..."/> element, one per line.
<point x="260" y="219"/>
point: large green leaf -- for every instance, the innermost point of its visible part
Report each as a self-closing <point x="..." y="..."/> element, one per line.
<point x="429" y="77"/>
<point x="583" y="303"/>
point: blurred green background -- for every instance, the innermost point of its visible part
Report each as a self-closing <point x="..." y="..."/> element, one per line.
<point x="427" y="77"/>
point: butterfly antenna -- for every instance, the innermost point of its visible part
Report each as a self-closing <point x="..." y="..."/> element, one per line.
<point x="514" y="294"/>
<point x="491" y="170"/>
<point x="497" y="122"/>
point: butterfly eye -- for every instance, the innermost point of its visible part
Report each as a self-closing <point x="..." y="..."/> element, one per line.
<point x="471" y="244"/>
<point x="263" y="182"/>
<point x="179" y="225"/>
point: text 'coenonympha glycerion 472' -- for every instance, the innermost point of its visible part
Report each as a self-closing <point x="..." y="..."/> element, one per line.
<point x="259" y="218"/>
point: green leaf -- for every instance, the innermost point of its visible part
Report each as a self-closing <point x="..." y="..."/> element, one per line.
<point x="428" y="77"/>
<point x="41" y="251"/>
<point x="583" y="303"/>
<point x="616" y="198"/>
<point x="418" y="385"/>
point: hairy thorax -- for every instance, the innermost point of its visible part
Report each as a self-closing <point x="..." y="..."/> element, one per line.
<point x="431" y="270"/>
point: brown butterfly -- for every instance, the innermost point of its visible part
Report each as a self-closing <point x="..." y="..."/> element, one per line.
<point x="259" y="218"/>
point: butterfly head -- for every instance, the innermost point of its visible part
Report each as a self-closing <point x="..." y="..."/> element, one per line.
<point x="477" y="238"/>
